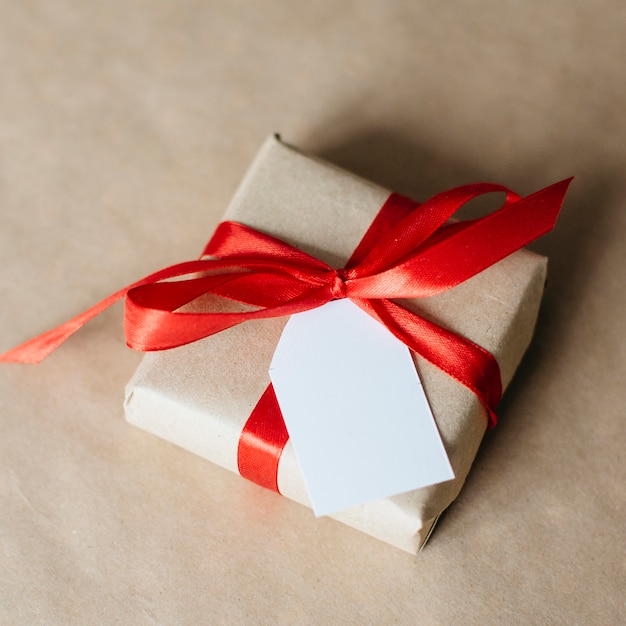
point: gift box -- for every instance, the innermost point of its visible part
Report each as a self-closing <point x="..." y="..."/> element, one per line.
<point x="199" y="396"/>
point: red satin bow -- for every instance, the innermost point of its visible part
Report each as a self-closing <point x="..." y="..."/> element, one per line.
<point x="408" y="252"/>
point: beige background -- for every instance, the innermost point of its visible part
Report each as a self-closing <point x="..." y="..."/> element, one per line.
<point x="124" y="129"/>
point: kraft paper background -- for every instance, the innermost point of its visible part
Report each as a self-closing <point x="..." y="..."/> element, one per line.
<point x="124" y="130"/>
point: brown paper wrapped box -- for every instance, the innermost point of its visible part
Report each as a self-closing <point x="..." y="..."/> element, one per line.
<point x="199" y="396"/>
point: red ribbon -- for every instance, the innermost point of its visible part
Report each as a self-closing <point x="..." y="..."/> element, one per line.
<point x="409" y="251"/>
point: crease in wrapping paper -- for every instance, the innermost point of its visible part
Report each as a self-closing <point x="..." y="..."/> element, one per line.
<point x="199" y="396"/>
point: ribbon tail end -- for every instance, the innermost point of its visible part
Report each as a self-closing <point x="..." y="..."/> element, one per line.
<point x="556" y="193"/>
<point x="36" y="349"/>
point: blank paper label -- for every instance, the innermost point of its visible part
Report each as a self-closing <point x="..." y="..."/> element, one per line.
<point x="355" y="409"/>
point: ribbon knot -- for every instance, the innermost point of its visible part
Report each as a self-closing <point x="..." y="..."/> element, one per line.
<point x="338" y="289"/>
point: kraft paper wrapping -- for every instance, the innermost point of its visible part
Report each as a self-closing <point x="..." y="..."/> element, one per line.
<point x="199" y="396"/>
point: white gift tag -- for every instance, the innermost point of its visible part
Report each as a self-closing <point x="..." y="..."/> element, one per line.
<point x="354" y="408"/>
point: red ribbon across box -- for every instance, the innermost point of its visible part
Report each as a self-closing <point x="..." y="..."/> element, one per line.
<point x="409" y="251"/>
